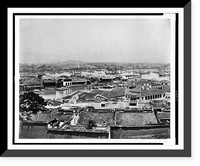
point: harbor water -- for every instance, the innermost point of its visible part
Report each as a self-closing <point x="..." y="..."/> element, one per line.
<point x="154" y="76"/>
<point x="54" y="94"/>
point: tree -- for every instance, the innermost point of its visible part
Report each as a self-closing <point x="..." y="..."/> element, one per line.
<point x="31" y="101"/>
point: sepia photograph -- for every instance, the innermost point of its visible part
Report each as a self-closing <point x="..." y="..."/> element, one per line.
<point x="93" y="77"/>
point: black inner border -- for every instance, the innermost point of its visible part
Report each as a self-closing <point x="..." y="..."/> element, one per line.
<point x="176" y="79"/>
<point x="110" y="14"/>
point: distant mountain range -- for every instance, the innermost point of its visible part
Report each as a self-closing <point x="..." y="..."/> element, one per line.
<point x="71" y="62"/>
<point x="38" y="57"/>
<point x="48" y="58"/>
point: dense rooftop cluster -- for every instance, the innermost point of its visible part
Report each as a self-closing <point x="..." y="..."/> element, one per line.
<point x="117" y="96"/>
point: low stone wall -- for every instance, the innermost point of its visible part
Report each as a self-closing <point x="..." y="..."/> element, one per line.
<point x="161" y="132"/>
<point x="76" y="134"/>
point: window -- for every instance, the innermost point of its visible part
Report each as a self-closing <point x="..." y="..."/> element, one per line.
<point x="103" y="105"/>
<point x="133" y="104"/>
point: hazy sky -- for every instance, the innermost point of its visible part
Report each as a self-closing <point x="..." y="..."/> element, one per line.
<point x="90" y="40"/>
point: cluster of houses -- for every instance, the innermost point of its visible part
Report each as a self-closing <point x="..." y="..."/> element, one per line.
<point x="50" y="81"/>
<point x="117" y="104"/>
<point x="136" y="94"/>
<point x="110" y="91"/>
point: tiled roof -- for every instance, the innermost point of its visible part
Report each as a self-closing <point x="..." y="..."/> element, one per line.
<point x="142" y="82"/>
<point x="42" y="117"/>
<point x="166" y="88"/>
<point x="155" y="84"/>
<point x="163" y="115"/>
<point x="97" y="91"/>
<point x="47" y="117"/>
<point x="76" y="79"/>
<point x="165" y="81"/>
<point x="49" y="81"/>
<point x="106" y="94"/>
<point x="117" y="92"/>
<point x="134" y="94"/>
<point x="146" y="92"/>
<point x="32" y="83"/>
<point x="137" y="89"/>
<point x="136" y="119"/>
<point x="100" y="118"/>
<point x="86" y="95"/>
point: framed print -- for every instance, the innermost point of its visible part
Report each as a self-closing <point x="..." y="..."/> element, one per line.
<point x="99" y="82"/>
